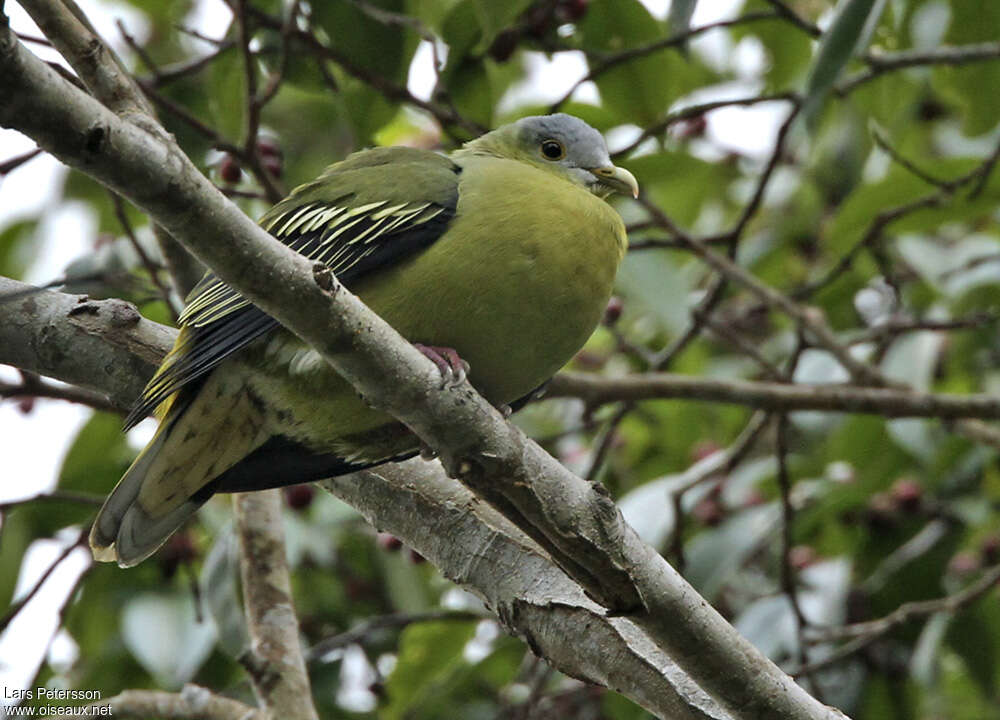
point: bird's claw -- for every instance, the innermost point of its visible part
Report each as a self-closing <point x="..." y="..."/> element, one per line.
<point x="452" y="367"/>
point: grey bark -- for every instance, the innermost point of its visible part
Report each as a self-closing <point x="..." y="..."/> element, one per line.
<point x="576" y="523"/>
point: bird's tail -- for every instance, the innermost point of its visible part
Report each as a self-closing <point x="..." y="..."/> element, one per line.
<point x="124" y="531"/>
<point x="173" y="476"/>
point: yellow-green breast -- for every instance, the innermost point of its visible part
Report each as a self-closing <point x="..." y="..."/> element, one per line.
<point x="516" y="285"/>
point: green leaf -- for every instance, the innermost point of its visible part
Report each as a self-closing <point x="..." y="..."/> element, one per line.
<point x="469" y="88"/>
<point x="461" y="31"/>
<point x="219" y="580"/>
<point x="973" y="636"/>
<point x="16" y="247"/>
<point x="660" y="285"/>
<point x="973" y="86"/>
<point x="162" y="633"/>
<point x="788" y="53"/>
<point x="639" y="90"/>
<point x="381" y="48"/>
<point x="95" y="461"/>
<point x="926" y="655"/>
<point x="431" y="12"/>
<point x="227" y="96"/>
<point x="16" y="534"/>
<point x="676" y="181"/>
<point x="845" y="35"/>
<point x="495" y="16"/>
<point x="714" y="556"/>
<point x="428" y="654"/>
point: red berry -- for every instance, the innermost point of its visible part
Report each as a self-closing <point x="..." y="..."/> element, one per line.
<point x="268" y="147"/>
<point x="703" y="449"/>
<point x="388" y="542"/>
<point x="990" y="549"/>
<point x="504" y="45"/>
<point x="709" y="511"/>
<point x="963" y="563"/>
<point x="881" y="513"/>
<point x="538" y="20"/>
<point x="229" y="170"/>
<point x="573" y="10"/>
<point x="177" y="551"/>
<point x="613" y="311"/>
<point x="693" y="127"/>
<point x="588" y="360"/>
<point x="273" y="165"/>
<point x="801" y="556"/>
<point x="907" y="494"/>
<point x="26" y="404"/>
<point x="299" y="497"/>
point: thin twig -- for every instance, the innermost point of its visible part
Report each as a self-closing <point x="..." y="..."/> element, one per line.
<point x="56" y="496"/>
<point x="152" y="268"/>
<point x="882" y="63"/>
<point x="43" y="389"/>
<point x="8" y="166"/>
<point x="360" y="634"/>
<point x="794" y="18"/>
<point x="693" y="111"/>
<point x="677" y="40"/>
<point x="20" y="604"/>
<point x="596" y="390"/>
<point x="865" y="633"/>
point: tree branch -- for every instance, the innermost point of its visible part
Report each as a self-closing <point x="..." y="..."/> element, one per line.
<point x="476" y="547"/>
<point x="98" y="67"/>
<point x="468" y="540"/>
<point x="864" y="634"/>
<point x="577" y="523"/>
<point x="274" y="661"/>
<point x="776" y="397"/>
<point x="881" y="63"/>
<point x="34" y="387"/>
<point x="191" y="703"/>
<point x="105" y="76"/>
<point x="112" y="344"/>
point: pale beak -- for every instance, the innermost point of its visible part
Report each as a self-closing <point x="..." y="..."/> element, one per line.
<point x="617" y="179"/>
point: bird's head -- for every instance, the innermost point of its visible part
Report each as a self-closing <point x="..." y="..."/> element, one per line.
<point x="562" y="144"/>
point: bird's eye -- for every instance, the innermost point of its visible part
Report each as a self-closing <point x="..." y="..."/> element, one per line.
<point x="553" y="150"/>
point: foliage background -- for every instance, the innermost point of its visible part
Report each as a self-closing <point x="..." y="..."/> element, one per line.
<point x="876" y="210"/>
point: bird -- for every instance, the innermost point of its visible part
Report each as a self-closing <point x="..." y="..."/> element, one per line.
<point x="496" y="261"/>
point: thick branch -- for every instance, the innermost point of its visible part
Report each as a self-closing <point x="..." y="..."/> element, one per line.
<point x="96" y="64"/>
<point x="777" y="397"/>
<point x="576" y="523"/>
<point x="105" y="76"/>
<point x="95" y="344"/>
<point x="469" y="540"/>
<point x="191" y="703"/>
<point x="478" y="548"/>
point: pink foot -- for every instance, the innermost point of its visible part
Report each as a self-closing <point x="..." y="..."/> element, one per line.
<point x="453" y="368"/>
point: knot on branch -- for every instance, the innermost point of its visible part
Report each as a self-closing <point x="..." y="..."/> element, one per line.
<point x="93" y="141"/>
<point x="259" y="669"/>
<point x="323" y="276"/>
<point x="117" y="313"/>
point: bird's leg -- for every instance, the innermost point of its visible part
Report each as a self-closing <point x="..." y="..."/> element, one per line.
<point x="453" y="368"/>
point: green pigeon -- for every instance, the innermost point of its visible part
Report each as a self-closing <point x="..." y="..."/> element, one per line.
<point x="497" y="259"/>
